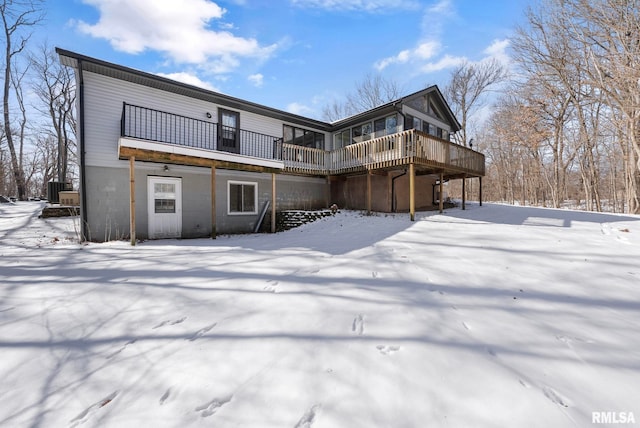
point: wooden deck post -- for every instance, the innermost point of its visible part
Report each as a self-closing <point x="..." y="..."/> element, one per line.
<point x="480" y="190"/>
<point x="132" y="200"/>
<point x="412" y="191"/>
<point x="327" y="192"/>
<point x="368" y="191"/>
<point x="464" y="197"/>
<point x="213" y="202"/>
<point x="273" y="202"/>
<point x="441" y="202"/>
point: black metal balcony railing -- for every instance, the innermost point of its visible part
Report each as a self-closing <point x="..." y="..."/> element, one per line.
<point x="163" y="127"/>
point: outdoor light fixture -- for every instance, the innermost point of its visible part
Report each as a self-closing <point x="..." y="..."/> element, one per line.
<point x="166" y="168"/>
<point x="208" y="115"/>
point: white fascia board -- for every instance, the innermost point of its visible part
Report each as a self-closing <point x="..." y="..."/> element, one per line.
<point x="134" y="143"/>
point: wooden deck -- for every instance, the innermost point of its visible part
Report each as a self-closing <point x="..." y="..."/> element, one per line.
<point x="394" y="151"/>
<point x="169" y="134"/>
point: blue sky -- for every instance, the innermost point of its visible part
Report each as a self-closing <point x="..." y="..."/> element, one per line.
<point x="294" y="55"/>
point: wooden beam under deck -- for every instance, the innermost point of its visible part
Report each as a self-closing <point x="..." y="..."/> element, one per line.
<point x="429" y="168"/>
<point x="214" y="232"/>
<point x="176" y="159"/>
<point x="132" y="200"/>
<point x="412" y="191"/>
<point x="464" y="191"/>
<point x="273" y="203"/>
<point x="440" y="199"/>
<point x="369" y="192"/>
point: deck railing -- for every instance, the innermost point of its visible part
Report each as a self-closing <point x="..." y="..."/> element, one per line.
<point x="159" y="126"/>
<point x="381" y="152"/>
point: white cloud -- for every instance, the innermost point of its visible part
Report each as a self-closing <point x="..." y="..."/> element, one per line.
<point x="179" y="30"/>
<point x="427" y="50"/>
<point x="358" y="5"/>
<point x="189" y="79"/>
<point x="447" y="61"/>
<point x="443" y="7"/>
<point x="498" y="50"/>
<point x="300" y="109"/>
<point x="423" y="51"/>
<point x="256" y="79"/>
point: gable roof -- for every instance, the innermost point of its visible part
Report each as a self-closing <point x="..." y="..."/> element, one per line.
<point x="393" y="106"/>
<point x="76" y="60"/>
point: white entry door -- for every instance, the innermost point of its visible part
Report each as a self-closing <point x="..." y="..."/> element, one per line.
<point x="165" y="207"/>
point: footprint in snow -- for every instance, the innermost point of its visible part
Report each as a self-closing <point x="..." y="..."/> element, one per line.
<point x="132" y="341"/>
<point x="523" y="383"/>
<point x="198" y="334"/>
<point x="387" y="350"/>
<point x="555" y="397"/>
<point x="170" y="322"/>
<point x="165" y="396"/>
<point x="86" y="413"/>
<point x="212" y="406"/>
<point x="567" y="340"/>
<point x="357" y="326"/>
<point x="465" y="325"/>
<point x="271" y="286"/>
<point x="306" y="421"/>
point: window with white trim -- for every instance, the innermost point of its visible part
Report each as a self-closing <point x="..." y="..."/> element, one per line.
<point x="242" y="197"/>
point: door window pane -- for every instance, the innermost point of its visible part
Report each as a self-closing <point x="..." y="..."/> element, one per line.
<point x="165" y="206"/>
<point x="229" y="119"/>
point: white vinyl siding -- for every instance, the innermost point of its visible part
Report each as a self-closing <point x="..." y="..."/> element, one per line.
<point x="104" y="97"/>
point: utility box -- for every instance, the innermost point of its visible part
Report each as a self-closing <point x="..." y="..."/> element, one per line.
<point x="54" y="188"/>
<point x="69" y="197"/>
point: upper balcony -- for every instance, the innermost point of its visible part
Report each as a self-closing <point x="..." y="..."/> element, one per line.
<point x="176" y="138"/>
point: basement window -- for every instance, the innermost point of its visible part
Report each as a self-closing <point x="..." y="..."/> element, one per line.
<point x="242" y="197"/>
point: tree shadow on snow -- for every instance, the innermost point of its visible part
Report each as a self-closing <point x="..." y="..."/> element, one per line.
<point x="533" y="216"/>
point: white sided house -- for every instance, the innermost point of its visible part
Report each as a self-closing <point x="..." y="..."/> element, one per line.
<point x="163" y="159"/>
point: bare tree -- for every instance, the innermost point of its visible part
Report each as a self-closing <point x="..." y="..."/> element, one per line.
<point x="467" y="87"/>
<point x="373" y="91"/>
<point x="54" y="86"/>
<point x="18" y="17"/>
<point x="609" y="31"/>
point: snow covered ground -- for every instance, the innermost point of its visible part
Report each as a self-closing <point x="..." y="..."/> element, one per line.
<point x="491" y="317"/>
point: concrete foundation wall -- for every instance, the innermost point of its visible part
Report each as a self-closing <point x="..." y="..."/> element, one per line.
<point x="108" y="199"/>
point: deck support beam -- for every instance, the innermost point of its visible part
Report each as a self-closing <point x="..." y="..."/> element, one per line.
<point x="213" y="202"/>
<point x="464" y="190"/>
<point x="412" y="191"/>
<point x="132" y="200"/>
<point x="369" y="191"/>
<point x="480" y="190"/>
<point x="441" y="199"/>
<point x="273" y="202"/>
